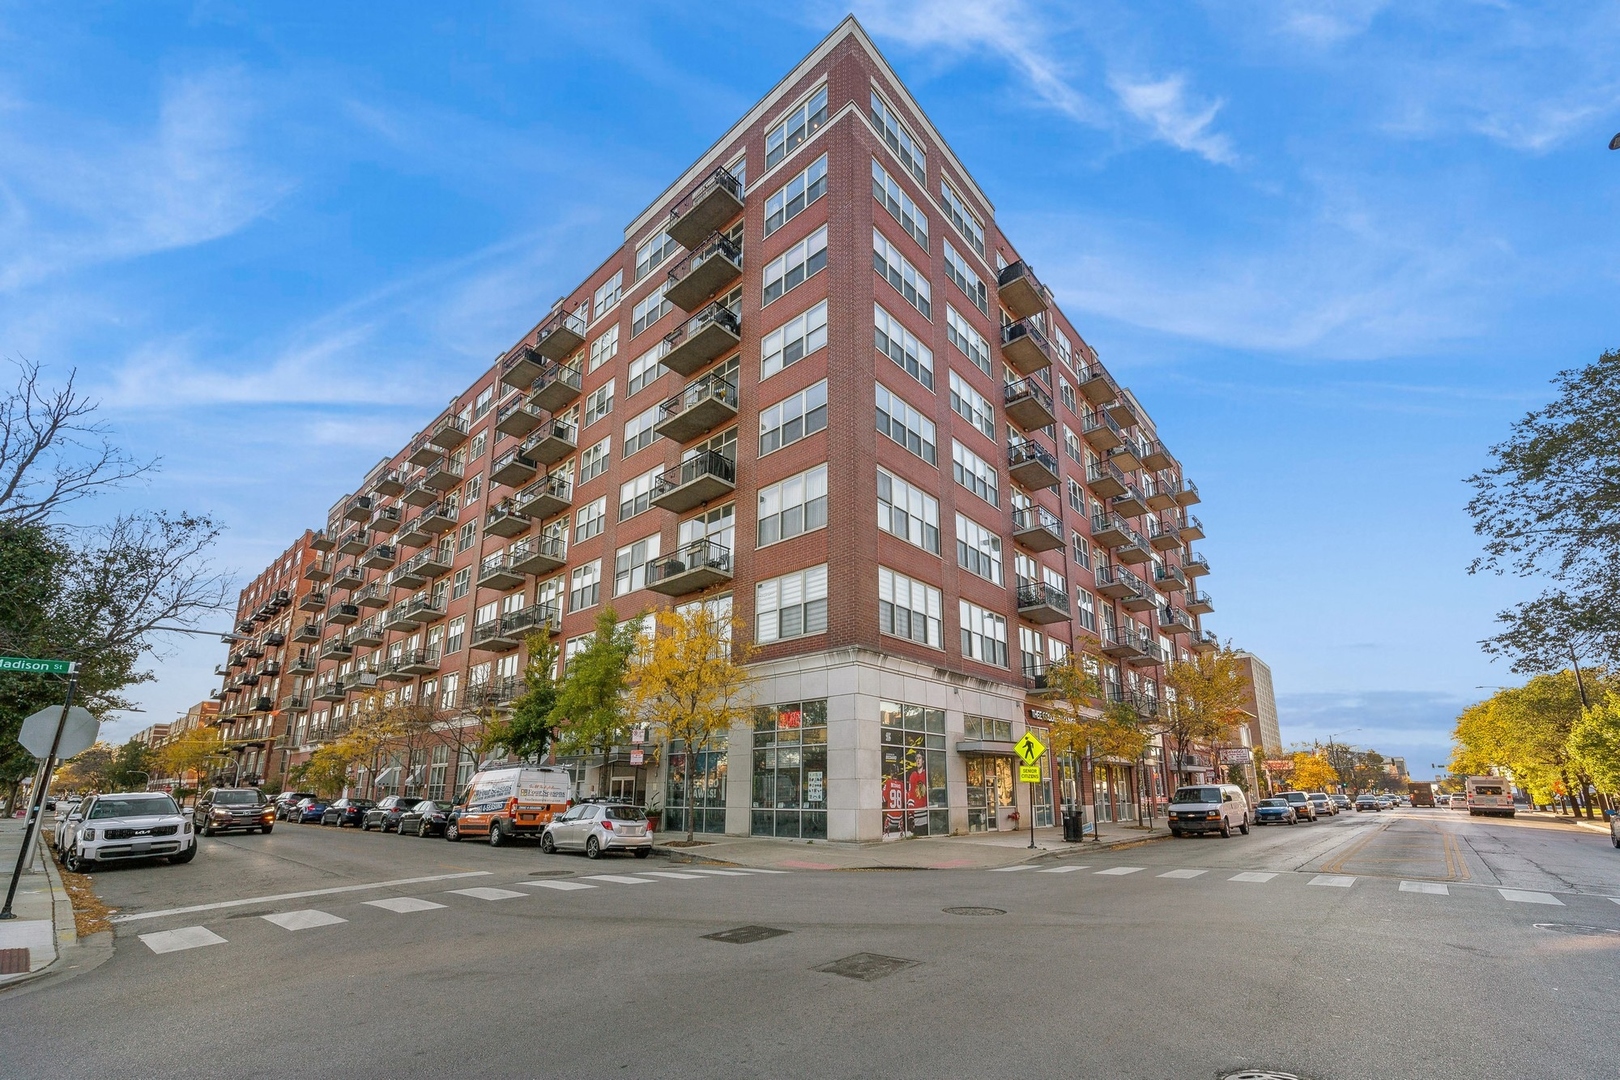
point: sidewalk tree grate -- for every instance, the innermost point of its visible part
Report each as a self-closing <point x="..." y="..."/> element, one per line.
<point x="973" y="911"/>
<point x="14" y="962"/>
<point x="1577" y="930"/>
<point x="867" y="966"/>
<point x="1261" y="1074"/>
<point x="746" y="935"/>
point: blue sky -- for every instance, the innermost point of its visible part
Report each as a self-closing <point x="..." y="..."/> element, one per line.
<point x="1336" y="248"/>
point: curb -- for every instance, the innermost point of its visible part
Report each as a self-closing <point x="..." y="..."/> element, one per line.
<point x="74" y="955"/>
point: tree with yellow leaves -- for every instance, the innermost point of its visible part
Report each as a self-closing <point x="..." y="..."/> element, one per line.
<point x="1209" y="692"/>
<point x="1081" y="724"/>
<point x="1312" y="772"/>
<point x="689" y="682"/>
<point x="193" y="751"/>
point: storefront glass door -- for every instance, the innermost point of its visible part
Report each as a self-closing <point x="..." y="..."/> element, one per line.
<point x="989" y="789"/>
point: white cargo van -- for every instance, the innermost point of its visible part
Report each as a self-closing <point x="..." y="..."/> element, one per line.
<point x="1201" y="808"/>
<point x="508" y="802"/>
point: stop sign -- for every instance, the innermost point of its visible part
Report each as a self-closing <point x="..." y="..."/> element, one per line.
<point x="77" y="737"/>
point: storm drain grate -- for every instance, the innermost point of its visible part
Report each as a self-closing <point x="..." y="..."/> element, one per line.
<point x="973" y="911"/>
<point x="746" y="935"/>
<point x="867" y="966"/>
<point x="1576" y="930"/>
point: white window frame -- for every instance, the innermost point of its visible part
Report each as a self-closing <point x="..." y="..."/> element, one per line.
<point x="795" y="417"/>
<point x="797" y="195"/>
<point x="893" y="267"/>
<point x="974" y="473"/>
<point x="806" y="491"/>
<point x="907" y="512"/>
<point x="795" y="129"/>
<point x="805" y="590"/>
<point x="894" y="410"/>
<point x="972" y="406"/>
<point x="798" y="264"/>
<point x="979" y="550"/>
<point x="984" y="634"/>
<point x="921" y="603"/>
<point x="807" y="330"/>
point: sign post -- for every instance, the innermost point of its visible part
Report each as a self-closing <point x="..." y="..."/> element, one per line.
<point x="36" y="804"/>
<point x="1029" y="750"/>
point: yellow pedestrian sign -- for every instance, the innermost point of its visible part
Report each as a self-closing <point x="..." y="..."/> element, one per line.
<point x="1029" y="748"/>
<point x="1029" y="774"/>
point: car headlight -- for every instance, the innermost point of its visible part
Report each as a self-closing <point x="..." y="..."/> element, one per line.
<point x="188" y="826"/>
<point x="87" y="833"/>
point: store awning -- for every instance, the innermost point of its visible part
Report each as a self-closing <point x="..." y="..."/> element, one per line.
<point x="986" y="746"/>
<point x="386" y="777"/>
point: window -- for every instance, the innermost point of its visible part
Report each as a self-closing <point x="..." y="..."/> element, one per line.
<point x="790" y="771"/>
<point x="461" y="583"/>
<point x="454" y="634"/>
<point x="792" y="605"/>
<point x="968" y="340"/>
<point x="1066" y="392"/>
<point x="978" y="549"/>
<point x="794" y="340"/>
<point x="598" y="403"/>
<point x="910" y="609"/>
<point x="604" y="348"/>
<point x="1079" y="550"/>
<point x="974" y="473"/>
<point x="585" y="586"/>
<point x="898" y="272"/>
<point x="715" y="526"/>
<point x="899" y="205"/>
<point x="786" y="422"/>
<point x="972" y="406"/>
<point x="907" y="512"/>
<point x="1077" y="497"/>
<point x="652" y="307"/>
<point x="588" y="522"/>
<point x="475" y="449"/>
<point x="793" y="506"/>
<point x="652" y="253"/>
<point x="1087" y="607"/>
<point x="472" y="489"/>
<point x="798" y="262"/>
<point x="630" y="565"/>
<point x="906" y="148"/>
<point x="468" y="536"/>
<point x="966" y="221"/>
<point x="792" y="197"/>
<point x="646" y="368"/>
<point x="901" y="345"/>
<point x="905" y="425"/>
<point x="607" y="294"/>
<point x="594" y="461"/>
<point x="448" y="691"/>
<point x="798" y="126"/>
<point x="957" y="269"/>
<point x="638" y="432"/>
<point x="1072" y="447"/>
<point x="984" y="635"/>
<point x="636" y="495"/>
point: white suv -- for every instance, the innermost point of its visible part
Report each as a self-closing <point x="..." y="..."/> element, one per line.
<point x="126" y="825"/>
<point x="596" y="828"/>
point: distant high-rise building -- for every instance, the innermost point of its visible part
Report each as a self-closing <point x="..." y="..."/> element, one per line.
<point x="1261" y="705"/>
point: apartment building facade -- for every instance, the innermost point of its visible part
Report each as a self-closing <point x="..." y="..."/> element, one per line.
<point x="817" y="387"/>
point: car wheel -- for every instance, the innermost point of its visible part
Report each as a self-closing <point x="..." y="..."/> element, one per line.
<point x="77" y="863"/>
<point x="1244" y="828"/>
<point x="642" y="853"/>
<point x="496" y="836"/>
<point x="1226" y="829"/>
<point x="452" y="832"/>
<point x="421" y="830"/>
<point x="549" y="846"/>
<point x="1175" y="832"/>
<point x="593" y="848"/>
<point x="185" y="856"/>
<point x="267" y="829"/>
<point x="207" y="828"/>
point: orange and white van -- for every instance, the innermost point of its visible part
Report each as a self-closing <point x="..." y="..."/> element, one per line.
<point x="512" y="801"/>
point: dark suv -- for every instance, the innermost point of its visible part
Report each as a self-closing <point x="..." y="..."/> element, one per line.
<point x="223" y="809"/>
<point x="385" y="815"/>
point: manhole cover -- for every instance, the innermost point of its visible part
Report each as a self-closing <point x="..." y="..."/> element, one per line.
<point x="551" y="873"/>
<point x="744" y="935"/>
<point x="973" y="911"/>
<point x="1261" y="1074"/>
<point x="1578" y="931"/>
<point x="867" y="966"/>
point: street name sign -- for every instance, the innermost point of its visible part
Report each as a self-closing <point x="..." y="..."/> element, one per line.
<point x="1030" y="749"/>
<point x="36" y="667"/>
<point x="77" y="737"/>
<point x="1029" y="774"/>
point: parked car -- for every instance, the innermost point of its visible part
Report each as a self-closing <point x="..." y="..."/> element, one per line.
<point x="1304" y="809"/>
<point x="597" y="828"/>
<point x="223" y="809"/>
<point x="1324" y="805"/>
<point x="1275" y="812"/>
<point x="427" y="818"/>
<point x="288" y="801"/>
<point x="1201" y="808"/>
<point x="127" y="825"/>
<point x="1614" y="829"/>
<point x="346" y="812"/>
<point x="1367" y="802"/>
<point x="308" y="810"/>
<point x="509" y="802"/>
<point x="1459" y="801"/>
<point x="385" y="815"/>
<point x="1386" y="803"/>
<point x="1340" y="802"/>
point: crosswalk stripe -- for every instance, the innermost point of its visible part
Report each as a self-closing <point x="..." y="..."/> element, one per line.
<point x="1010" y="869"/>
<point x="1184" y="873"/>
<point x="560" y="886"/>
<point x="1337" y="881"/>
<point x="672" y="874"/>
<point x="1432" y="888"/>
<point x="1616" y="899"/>
<point x="187" y="937"/>
<point x="403" y="904"/>
<point x="1120" y="871"/>
<point x="1521" y="896"/>
<point x="716" y="873"/>
<point x="488" y="894"/>
<point x="1060" y="870"/>
<point x="621" y="879"/>
<point x="306" y="919"/>
<point x="762" y="870"/>
<point x="1251" y="875"/>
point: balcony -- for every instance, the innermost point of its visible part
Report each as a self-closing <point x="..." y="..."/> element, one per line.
<point x="319" y="570"/>
<point x="1192" y="529"/>
<point x="1122" y="411"/>
<point x="517" y="417"/>
<point x="320" y="540"/>
<point x="538" y="555"/>
<point x="1120" y="642"/>
<point x="1100" y="432"/>
<point x="336" y="648"/>
<point x="1159" y="492"/>
<point x="247" y="678"/>
<point x="1118" y="583"/>
<point x="1029" y="405"/>
<point x="715" y="263"/>
<point x="1173" y="620"/>
<point x="418" y="661"/>
<point x="1195" y="565"/>
<point x="1156" y="456"/>
<point x="560" y="335"/>
<point x="1149" y="652"/>
<point x="386" y="520"/>
<point x="1035" y="679"/>
<point x="343" y="614"/>
<point x="1187" y="494"/>
<point x="1037" y="529"/>
<point x="1168" y="578"/>
<point x="496" y="694"/>
<point x="716" y="200"/>
<point x="545" y="498"/>
<point x="1128" y="455"/>
<point x="693" y="568"/>
<point x="443" y="474"/>
<point x="449" y="433"/>
<point x="437" y="519"/>
<point x="330" y="691"/>
<point x="1204" y="641"/>
<point x="423" y="451"/>
<point x="434" y="563"/>
<point x="1021" y="293"/>
<point x="522" y="367"/>
<point x="698" y="409"/>
<point x="380" y="557"/>
<point x="1164" y="535"/>
<point x="1042" y="603"/>
<point x="373" y="596"/>
<point x="314" y="600"/>
<point x="421" y="609"/>
<point x="1096" y="385"/>
<point x="1031" y="465"/>
<point x="369" y="634"/>
<point x="513" y="468"/>
<point x="1025" y="348"/>
<point x="555" y="440"/>
<point x="302" y="664"/>
<point x="295" y="703"/>
<point x="1200" y="603"/>
<point x="700" y="340"/>
<point x="1105" y="480"/>
<point x="1114" y="533"/>
<point x="700" y="479"/>
<point x="349" y="576"/>
<point x="557" y="385"/>
<point x="413" y="535"/>
<point x="1131" y="504"/>
<point x="492" y="636"/>
<point x="419" y="493"/>
<point x="275" y="639"/>
<point x="389" y="482"/>
<point x="496" y="572"/>
<point x="263" y="704"/>
<point x="358" y="510"/>
<point x="308" y="632"/>
<point x="355" y="543"/>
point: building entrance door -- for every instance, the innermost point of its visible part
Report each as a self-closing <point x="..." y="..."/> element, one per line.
<point x="989" y="790"/>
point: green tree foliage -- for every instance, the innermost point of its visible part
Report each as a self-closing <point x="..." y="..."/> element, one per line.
<point x="528" y="731"/>
<point x="589" y="713"/>
<point x="1594" y="741"/>
<point x="1527" y="730"/>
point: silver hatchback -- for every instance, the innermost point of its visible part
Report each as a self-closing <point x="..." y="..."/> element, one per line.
<point x="597" y="828"/>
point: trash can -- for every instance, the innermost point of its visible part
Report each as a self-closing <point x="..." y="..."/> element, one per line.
<point x="1072" y="827"/>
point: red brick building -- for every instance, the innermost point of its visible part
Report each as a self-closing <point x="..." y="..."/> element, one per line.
<point x="815" y="383"/>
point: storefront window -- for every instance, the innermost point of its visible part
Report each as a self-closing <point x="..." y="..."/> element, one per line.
<point x="989" y="790"/>
<point x="914" y="802"/>
<point x="708" y="788"/>
<point x="790" y="770"/>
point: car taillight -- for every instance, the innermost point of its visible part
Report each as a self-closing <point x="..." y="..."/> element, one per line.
<point x="608" y="825"/>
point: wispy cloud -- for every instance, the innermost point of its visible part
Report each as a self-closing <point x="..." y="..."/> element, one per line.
<point x="1400" y="722"/>
<point x="1169" y="110"/>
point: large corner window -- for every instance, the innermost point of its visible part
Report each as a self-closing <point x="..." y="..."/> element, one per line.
<point x="914" y="802"/>
<point x="790" y="770"/>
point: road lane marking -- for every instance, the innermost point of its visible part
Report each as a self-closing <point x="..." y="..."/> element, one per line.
<point x="403" y="904"/>
<point x="1120" y="871"/>
<point x="716" y="873"/>
<point x="139" y="916"/>
<point x="187" y="937"/>
<point x="1431" y="888"/>
<point x="673" y="875"/>
<point x="1060" y="869"/>
<point x="757" y="870"/>
<point x="560" y="886"/>
<point x="1182" y="874"/>
<point x="621" y="879"/>
<point x="1010" y="869"/>
<point x="487" y="894"/>
<point x="1520" y="896"/>
<point x="307" y="919"/>
<point x="1251" y="875"/>
<point x="1335" y="881"/>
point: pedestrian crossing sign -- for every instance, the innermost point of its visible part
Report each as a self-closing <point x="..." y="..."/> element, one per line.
<point x="1029" y="748"/>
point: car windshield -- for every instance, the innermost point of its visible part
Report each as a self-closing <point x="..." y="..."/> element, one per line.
<point x="133" y="806"/>
<point x="626" y="813"/>
<point x="1295" y="796"/>
<point x="1273" y="802"/>
<point x="1196" y="795"/>
<point x="238" y="798"/>
<point x="426" y="807"/>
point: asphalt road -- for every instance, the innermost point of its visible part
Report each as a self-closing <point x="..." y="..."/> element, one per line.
<point x="1400" y="945"/>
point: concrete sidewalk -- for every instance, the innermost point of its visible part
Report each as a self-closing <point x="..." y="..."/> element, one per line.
<point x="44" y="922"/>
<point x="976" y="851"/>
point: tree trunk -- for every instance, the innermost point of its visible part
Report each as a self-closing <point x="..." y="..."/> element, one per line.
<point x="686" y="796"/>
